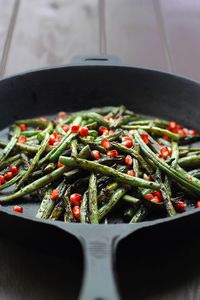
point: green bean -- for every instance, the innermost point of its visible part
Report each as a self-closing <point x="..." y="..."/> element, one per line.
<point x="57" y="211"/>
<point x="92" y="196"/>
<point x="34" y="186"/>
<point x="135" y="154"/>
<point x="84" y="209"/>
<point x="190" y="183"/>
<point x="74" y="147"/>
<point x="11" y="144"/>
<point x="139" y="216"/>
<point x="189" y="161"/>
<point x="155" y="130"/>
<point x="104" y="210"/>
<point x="131" y="200"/>
<point x="95" y="167"/>
<point x="175" y="154"/>
<point x="33" y="162"/>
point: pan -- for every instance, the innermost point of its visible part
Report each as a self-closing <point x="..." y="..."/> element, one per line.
<point x="85" y="83"/>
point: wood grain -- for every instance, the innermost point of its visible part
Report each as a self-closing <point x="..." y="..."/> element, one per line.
<point x="133" y="33"/>
<point x="182" y="20"/>
<point x="52" y="32"/>
<point x="5" y="14"/>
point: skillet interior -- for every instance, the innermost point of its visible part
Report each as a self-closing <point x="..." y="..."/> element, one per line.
<point x="74" y="88"/>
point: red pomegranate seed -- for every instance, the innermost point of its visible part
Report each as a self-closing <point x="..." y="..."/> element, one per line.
<point x="54" y="195"/>
<point x="2" y="180"/>
<point x="166" y="138"/>
<point x="55" y="134"/>
<point x="169" y="150"/>
<point x="76" y="212"/>
<point x="22" y="127"/>
<point x="103" y="129"/>
<point x="62" y="114"/>
<point x="147" y="177"/>
<point x="56" y="143"/>
<point x="83" y="131"/>
<point x="42" y="119"/>
<point x="131" y="132"/>
<point x="156" y="199"/>
<point x="8" y="176"/>
<point x="192" y="132"/>
<point x="75" y="128"/>
<point x="95" y="154"/>
<point x="149" y="196"/>
<point x="65" y="127"/>
<point x="128" y="160"/>
<point x="127" y="143"/>
<point x="180" y="206"/>
<point x="184" y="132"/>
<point x="112" y="153"/>
<point x="18" y="209"/>
<point x="106" y="144"/>
<point x="76" y="199"/>
<point x="52" y="139"/>
<point x="197" y="204"/>
<point x="190" y="178"/>
<point x="14" y="170"/>
<point x="145" y="138"/>
<point x="110" y="131"/>
<point x="160" y="143"/>
<point x="158" y="194"/>
<point x="22" y="139"/>
<point x="59" y="120"/>
<point x="164" y="152"/>
<point x="106" y="118"/>
<point x="59" y="165"/>
<point x="131" y="172"/>
<point x="172" y="125"/>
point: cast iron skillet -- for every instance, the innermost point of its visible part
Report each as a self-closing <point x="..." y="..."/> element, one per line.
<point x="89" y="82"/>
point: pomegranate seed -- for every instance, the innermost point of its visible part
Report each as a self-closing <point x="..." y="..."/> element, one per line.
<point x="52" y="139"/>
<point x="106" y="132"/>
<point x="127" y="143"/>
<point x="128" y="160"/>
<point x="105" y="144"/>
<point x="2" y="180"/>
<point x="18" y="209"/>
<point x="103" y="129"/>
<point x="110" y="131"/>
<point x="190" y="178"/>
<point x="197" y="204"/>
<point x="112" y="153"/>
<point x="106" y="118"/>
<point x="83" y="131"/>
<point x="172" y="125"/>
<point x="147" y="177"/>
<point x="180" y="206"/>
<point x="165" y="137"/>
<point x="59" y="165"/>
<point x="131" y="172"/>
<point x="149" y="196"/>
<point x="145" y="138"/>
<point x="156" y="199"/>
<point x="62" y="114"/>
<point x="158" y="194"/>
<point x="96" y="154"/>
<point x="131" y="132"/>
<point x="184" y="131"/>
<point x="8" y="176"/>
<point x="55" y="134"/>
<point x="65" y="127"/>
<point x="22" y="127"/>
<point x="22" y="139"/>
<point x="75" y="128"/>
<point x="126" y="138"/>
<point x="14" y="170"/>
<point x="59" y="120"/>
<point x="192" y="132"/>
<point x="169" y="150"/>
<point x="76" y="199"/>
<point x="76" y="212"/>
<point x="164" y="152"/>
<point x="160" y="143"/>
<point x="54" y="195"/>
<point x="56" y="143"/>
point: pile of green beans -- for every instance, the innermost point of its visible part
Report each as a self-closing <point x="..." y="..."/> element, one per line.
<point x="104" y="165"/>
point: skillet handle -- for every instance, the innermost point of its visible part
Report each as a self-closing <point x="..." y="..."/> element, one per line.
<point x="96" y="60"/>
<point x="99" y="282"/>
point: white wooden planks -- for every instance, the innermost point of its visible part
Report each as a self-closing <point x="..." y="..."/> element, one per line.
<point x="52" y="32"/>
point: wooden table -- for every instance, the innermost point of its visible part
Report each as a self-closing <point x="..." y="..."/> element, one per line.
<point x="160" y="34"/>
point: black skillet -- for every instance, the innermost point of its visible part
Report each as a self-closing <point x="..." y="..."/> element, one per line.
<point x="86" y="83"/>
